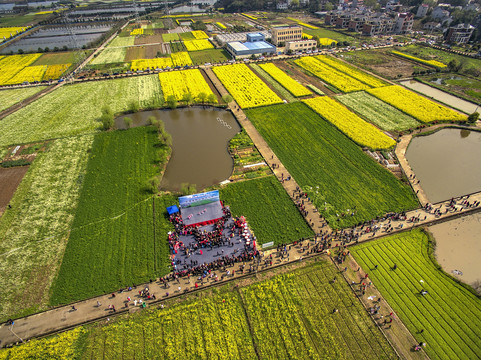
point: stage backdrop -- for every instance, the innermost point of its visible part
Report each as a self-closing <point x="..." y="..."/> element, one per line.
<point x="199" y="199"/>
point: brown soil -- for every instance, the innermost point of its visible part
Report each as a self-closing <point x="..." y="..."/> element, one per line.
<point x="302" y="77"/>
<point x="160" y="31"/>
<point x="148" y="39"/>
<point x="135" y="52"/>
<point x="212" y="87"/>
<point x="10" y="178"/>
<point x="394" y="69"/>
<point x="151" y="51"/>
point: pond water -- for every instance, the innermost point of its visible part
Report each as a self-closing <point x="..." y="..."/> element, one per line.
<point x="200" y="139"/>
<point x="439" y="81"/>
<point x="441" y="96"/>
<point x="448" y="163"/>
<point x="458" y="247"/>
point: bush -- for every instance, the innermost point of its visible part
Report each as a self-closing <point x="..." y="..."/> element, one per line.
<point x="12" y="163"/>
<point x="473" y="117"/>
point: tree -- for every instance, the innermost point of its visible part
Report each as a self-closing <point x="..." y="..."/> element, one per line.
<point x="127" y="122"/>
<point x="473" y="117"/>
<point x="188" y="99"/>
<point x="227" y="98"/>
<point x="152" y="120"/>
<point x="172" y="101"/>
<point x="328" y="6"/>
<point x="187" y="189"/>
<point x="202" y="97"/>
<point x="453" y="65"/>
<point x="134" y="106"/>
<point x="211" y="99"/>
<point x="107" y="121"/>
<point x="153" y="184"/>
<point x="20" y="51"/>
<point x="294" y="3"/>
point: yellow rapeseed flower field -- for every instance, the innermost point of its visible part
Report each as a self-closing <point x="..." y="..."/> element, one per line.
<point x="195" y="45"/>
<point x="137" y="32"/>
<point x="362" y="132"/>
<point x="179" y="83"/>
<point x="55" y="71"/>
<point x="351" y="71"/>
<point x="8" y="32"/>
<point x="29" y="73"/>
<point x="199" y="34"/>
<point x="181" y="58"/>
<point x="285" y="80"/>
<point x="161" y="63"/>
<point x="246" y="88"/>
<point x="338" y="79"/>
<point x="11" y="65"/>
<point x="416" y="105"/>
<point x="427" y="62"/>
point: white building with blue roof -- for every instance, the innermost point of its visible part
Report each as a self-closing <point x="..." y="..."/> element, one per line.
<point x="255" y="45"/>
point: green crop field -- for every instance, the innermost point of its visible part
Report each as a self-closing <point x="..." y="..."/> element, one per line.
<point x="212" y="56"/>
<point x="75" y="109"/>
<point x="449" y="314"/>
<point x="338" y="176"/>
<point x="33" y="232"/>
<point x="123" y="41"/>
<point x="288" y="316"/>
<point x="282" y="91"/>
<point x="378" y="112"/>
<point x="13" y="96"/>
<point x="57" y="58"/>
<point x="118" y="236"/>
<point x="187" y="36"/>
<point x="110" y="55"/>
<point x="268" y="208"/>
<point x="170" y="37"/>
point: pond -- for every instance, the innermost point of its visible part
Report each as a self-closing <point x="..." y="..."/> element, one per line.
<point x="448" y="163"/>
<point x="441" y="96"/>
<point x="458" y="247"/>
<point x="200" y="140"/>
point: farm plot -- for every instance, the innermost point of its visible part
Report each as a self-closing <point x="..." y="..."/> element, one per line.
<point x="180" y="83"/>
<point x="378" y="112"/>
<point x="338" y="79"/>
<point x="181" y="58"/>
<point x="29" y="73"/>
<point x="117" y="218"/>
<point x="291" y="317"/>
<point x="12" y="96"/>
<point x="433" y="63"/>
<point x="110" y="55"/>
<point x="246" y="88"/>
<point x="196" y="45"/>
<point x="56" y="58"/>
<point x="357" y="129"/>
<point x="268" y="208"/>
<point x="415" y="105"/>
<point x="10" y="178"/>
<point x="346" y="185"/>
<point x="285" y="80"/>
<point x="214" y="56"/>
<point x="143" y="64"/>
<point x="122" y="41"/>
<point x="213" y="327"/>
<point x="449" y="313"/>
<point x="33" y="232"/>
<point x="75" y="109"/>
<point x="54" y="72"/>
<point x="170" y="37"/>
<point x="351" y="71"/>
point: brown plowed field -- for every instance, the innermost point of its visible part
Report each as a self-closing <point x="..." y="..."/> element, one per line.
<point x="134" y="53"/>
<point x="148" y="39"/>
<point x="10" y="178"/>
<point x="151" y="51"/>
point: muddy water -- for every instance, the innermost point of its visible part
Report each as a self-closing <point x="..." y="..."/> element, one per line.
<point x="448" y="163"/>
<point x="459" y="246"/>
<point x="441" y="96"/>
<point x="200" y="139"/>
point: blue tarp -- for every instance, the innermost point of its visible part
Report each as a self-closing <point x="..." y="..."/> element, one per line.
<point x="172" y="209"/>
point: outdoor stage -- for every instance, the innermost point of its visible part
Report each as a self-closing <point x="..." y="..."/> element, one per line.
<point x="202" y="215"/>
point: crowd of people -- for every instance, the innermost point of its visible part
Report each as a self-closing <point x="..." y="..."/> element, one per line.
<point x="221" y="237"/>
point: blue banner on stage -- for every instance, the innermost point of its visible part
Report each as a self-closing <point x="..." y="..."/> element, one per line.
<point x="199" y="199"/>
